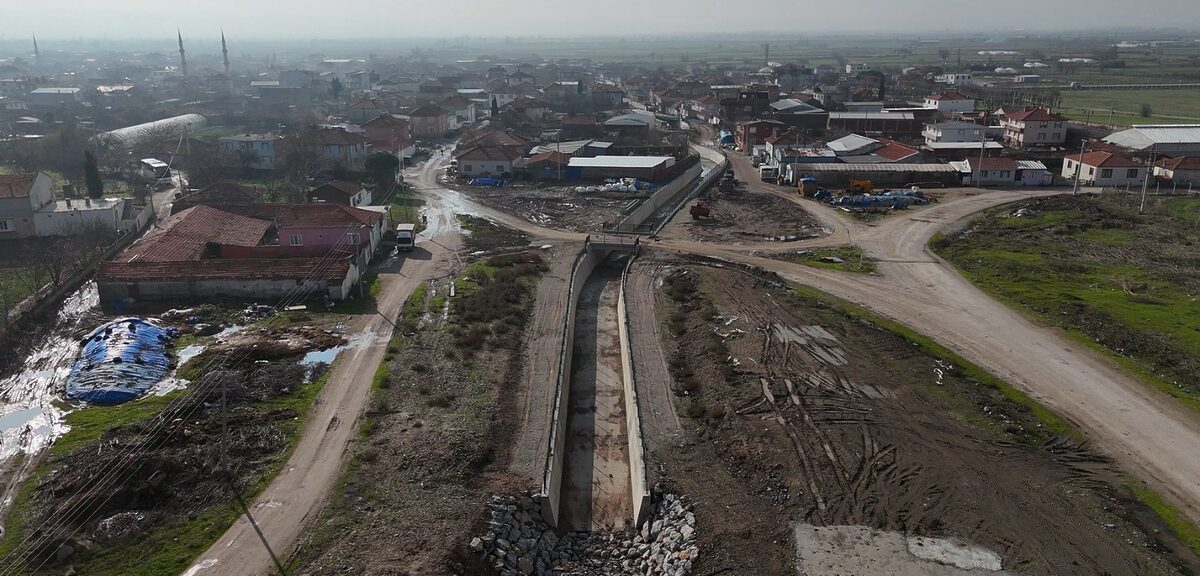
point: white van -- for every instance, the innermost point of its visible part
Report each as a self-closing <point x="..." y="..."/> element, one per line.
<point x="406" y="236"/>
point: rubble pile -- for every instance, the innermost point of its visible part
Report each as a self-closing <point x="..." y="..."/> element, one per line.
<point x="518" y="542"/>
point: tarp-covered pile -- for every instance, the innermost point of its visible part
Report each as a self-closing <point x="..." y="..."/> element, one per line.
<point x="120" y="361"/>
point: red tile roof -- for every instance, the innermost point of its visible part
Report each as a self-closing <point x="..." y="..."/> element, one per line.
<point x="226" y="269"/>
<point x="428" y="111"/>
<point x="1107" y="160"/>
<point x="501" y="153"/>
<point x="1035" y="115"/>
<point x="16" y="185"/>
<point x="1180" y="163"/>
<point x="386" y="121"/>
<point x="308" y="215"/>
<point x="183" y="236"/>
<point x="552" y="156"/>
<point x="894" y="151"/>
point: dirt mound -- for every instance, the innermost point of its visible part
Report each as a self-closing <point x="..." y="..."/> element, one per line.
<point x="747" y="217"/>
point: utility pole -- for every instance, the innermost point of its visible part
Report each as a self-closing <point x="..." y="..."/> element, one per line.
<point x="982" y="148"/>
<point x="1079" y="167"/>
<point x="1146" y="182"/>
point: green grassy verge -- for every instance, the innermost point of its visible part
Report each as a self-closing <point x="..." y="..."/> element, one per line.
<point x="852" y="259"/>
<point x="1181" y="526"/>
<point x="1118" y="283"/>
<point x="405" y="208"/>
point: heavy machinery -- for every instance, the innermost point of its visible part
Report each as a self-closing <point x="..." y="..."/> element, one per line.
<point x="860" y="186"/>
<point x="700" y="210"/>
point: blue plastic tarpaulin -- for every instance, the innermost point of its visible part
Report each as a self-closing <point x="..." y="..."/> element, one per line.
<point x="120" y="361"/>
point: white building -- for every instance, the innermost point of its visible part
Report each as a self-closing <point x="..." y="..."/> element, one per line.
<point x="1103" y="169"/>
<point x="953" y="132"/>
<point x="254" y="151"/>
<point x="953" y="79"/>
<point x="950" y="102"/>
<point x="857" y="67"/>
<point x="1170" y="139"/>
<point x="81" y="216"/>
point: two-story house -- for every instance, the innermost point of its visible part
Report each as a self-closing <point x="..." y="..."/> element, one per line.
<point x="951" y="102"/>
<point x="1034" y="127"/>
<point x="1103" y="169"/>
<point x="21" y="195"/>
<point x="392" y="134"/>
<point x="429" y="121"/>
<point x="341" y="147"/>
<point x="250" y="151"/>
<point x="953" y="132"/>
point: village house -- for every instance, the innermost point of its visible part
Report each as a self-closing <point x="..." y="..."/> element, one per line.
<point x="460" y="109"/>
<point x="390" y="133"/>
<point x="217" y="194"/>
<point x="257" y="251"/>
<point x="363" y="109"/>
<point x="1103" y="169"/>
<point x="22" y="195"/>
<point x="1033" y="127"/>
<point x="951" y="102"/>
<point x="429" y="121"/>
<point x="953" y="132"/>
<point x="756" y="133"/>
<point x="341" y="192"/>
<point x="341" y="147"/>
<point x="249" y="151"/>
<point x="486" y="161"/>
<point x="992" y="171"/>
<point x="1181" y="171"/>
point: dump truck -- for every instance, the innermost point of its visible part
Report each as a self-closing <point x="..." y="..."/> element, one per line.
<point x="700" y="210"/>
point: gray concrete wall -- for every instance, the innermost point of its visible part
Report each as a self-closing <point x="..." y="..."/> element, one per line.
<point x="551" y="493"/>
<point x="638" y="486"/>
<point x="656" y="200"/>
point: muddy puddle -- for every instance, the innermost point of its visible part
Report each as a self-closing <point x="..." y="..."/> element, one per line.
<point x="31" y="413"/>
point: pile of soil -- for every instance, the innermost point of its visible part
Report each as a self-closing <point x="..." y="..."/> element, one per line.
<point x="796" y="412"/>
<point x="747" y="217"/>
<point x="560" y="208"/>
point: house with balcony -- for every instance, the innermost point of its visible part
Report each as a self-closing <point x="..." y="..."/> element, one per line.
<point x="250" y="151"/>
<point x="1033" y="128"/>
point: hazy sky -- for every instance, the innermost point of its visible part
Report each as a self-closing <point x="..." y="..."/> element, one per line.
<point x="301" y="19"/>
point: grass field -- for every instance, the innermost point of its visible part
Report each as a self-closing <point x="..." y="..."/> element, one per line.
<point x="1117" y="281"/>
<point x="1167" y="106"/>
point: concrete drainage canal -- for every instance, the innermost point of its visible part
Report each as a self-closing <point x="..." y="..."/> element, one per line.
<point x="595" y="514"/>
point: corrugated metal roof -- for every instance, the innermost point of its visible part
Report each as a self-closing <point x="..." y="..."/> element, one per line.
<point x="1030" y="165"/>
<point x="850" y="143"/>
<point x="926" y="168"/>
<point x="619" y="161"/>
<point x="1145" y="136"/>
<point x="131" y="135"/>
<point x="871" y="116"/>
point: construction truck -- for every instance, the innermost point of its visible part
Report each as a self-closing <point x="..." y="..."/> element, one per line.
<point x="700" y="210"/>
<point x="860" y="187"/>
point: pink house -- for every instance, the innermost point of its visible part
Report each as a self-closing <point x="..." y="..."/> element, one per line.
<point x="429" y="121"/>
